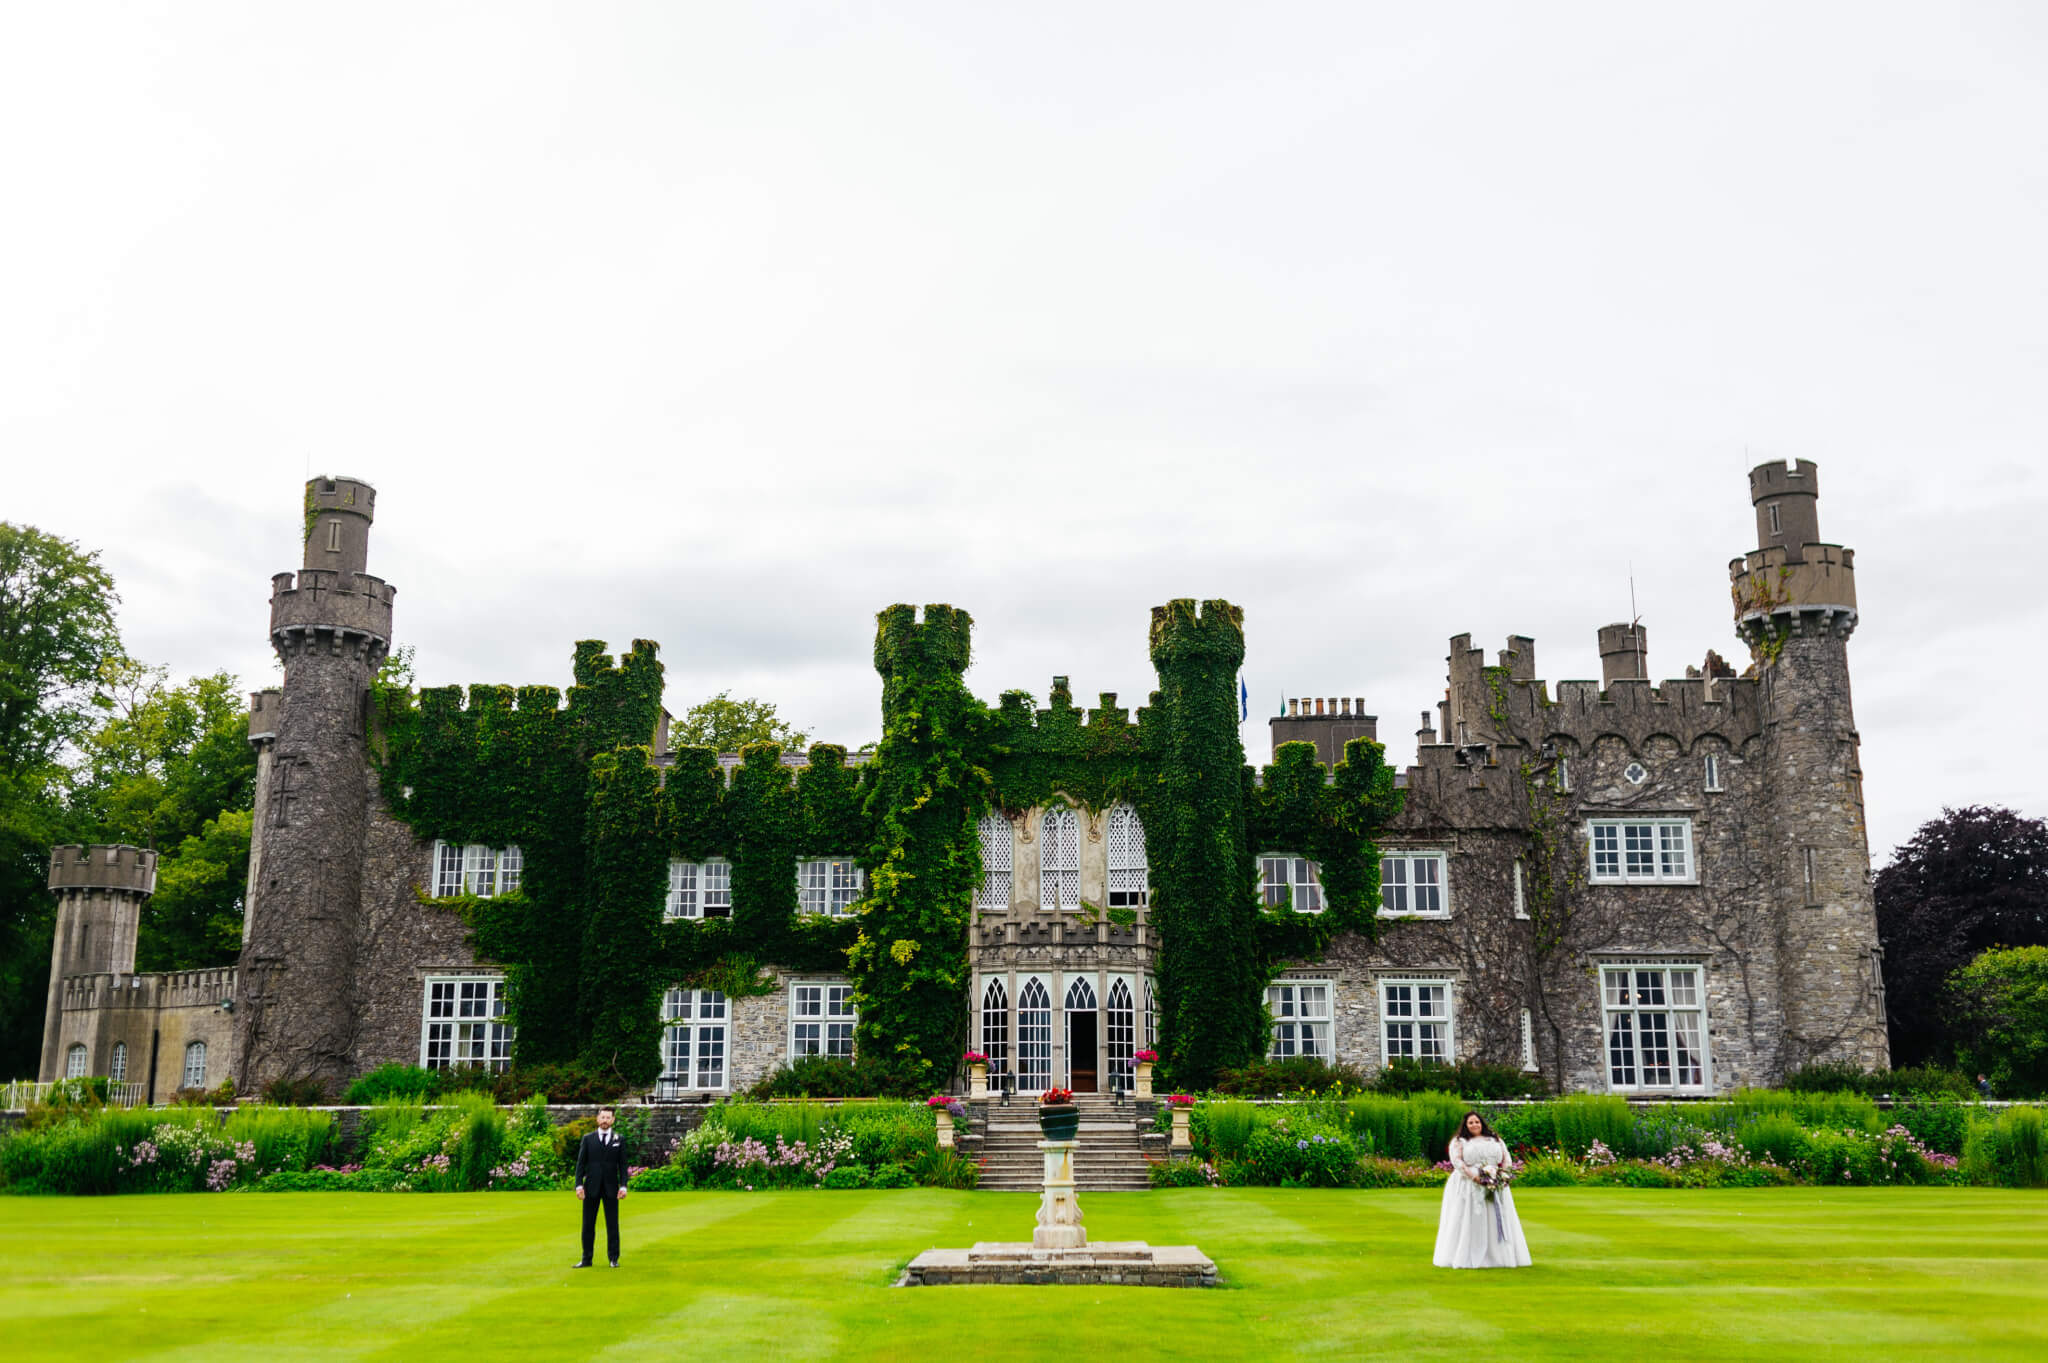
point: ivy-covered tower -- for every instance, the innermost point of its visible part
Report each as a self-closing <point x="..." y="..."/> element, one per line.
<point x="1795" y="605"/>
<point x="1209" y="962"/>
<point x="331" y="625"/>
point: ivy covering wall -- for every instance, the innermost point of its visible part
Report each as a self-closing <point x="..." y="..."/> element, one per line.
<point x="598" y="815"/>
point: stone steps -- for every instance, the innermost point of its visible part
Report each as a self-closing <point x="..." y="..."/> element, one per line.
<point x="1108" y="1157"/>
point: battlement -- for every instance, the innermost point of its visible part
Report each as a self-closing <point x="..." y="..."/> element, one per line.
<point x="148" y="992"/>
<point x="325" y="601"/>
<point x="1182" y="633"/>
<point x="945" y="638"/>
<point x="1779" y="579"/>
<point x="265" y="707"/>
<point x="1798" y="478"/>
<point x="343" y="494"/>
<point x="103" y="866"/>
<point x="1108" y="727"/>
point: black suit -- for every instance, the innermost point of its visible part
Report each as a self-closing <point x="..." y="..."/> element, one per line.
<point x="600" y="1173"/>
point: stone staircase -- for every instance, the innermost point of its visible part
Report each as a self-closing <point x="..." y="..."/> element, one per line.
<point x="1109" y="1157"/>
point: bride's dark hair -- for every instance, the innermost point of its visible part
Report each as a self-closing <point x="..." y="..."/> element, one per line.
<point x="1484" y="1129"/>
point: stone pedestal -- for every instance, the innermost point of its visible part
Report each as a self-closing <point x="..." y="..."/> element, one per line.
<point x="945" y="1129"/>
<point x="977" y="1082"/>
<point x="1142" y="1080"/>
<point x="1059" y="1210"/>
<point x="1181" y="1143"/>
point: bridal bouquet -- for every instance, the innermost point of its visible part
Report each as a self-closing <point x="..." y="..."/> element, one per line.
<point x="1494" y="1177"/>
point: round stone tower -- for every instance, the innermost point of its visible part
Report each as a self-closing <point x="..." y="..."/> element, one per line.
<point x="331" y="625"/>
<point x="100" y="890"/>
<point x="1795" y="606"/>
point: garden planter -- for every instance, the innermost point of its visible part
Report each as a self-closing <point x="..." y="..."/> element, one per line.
<point x="1180" y="1130"/>
<point x="977" y="1082"/>
<point x="1142" y="1079"/>
<point x="945" y="1129"/>
<point x="1059" y="1121"/>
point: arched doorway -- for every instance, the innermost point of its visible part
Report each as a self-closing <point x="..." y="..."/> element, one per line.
<point x="1083" y="1031"/>
<point x="995" y="1034"/>
<point x="1120" y="1026"/>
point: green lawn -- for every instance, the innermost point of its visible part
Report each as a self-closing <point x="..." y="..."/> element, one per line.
<point x="1794" y="1273"/>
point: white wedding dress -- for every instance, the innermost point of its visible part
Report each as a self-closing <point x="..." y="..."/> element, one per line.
<point x="1475" y="1233"/>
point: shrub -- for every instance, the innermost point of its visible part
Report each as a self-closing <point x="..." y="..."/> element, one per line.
<point x="1289" y="1155"/>
<point x="1939" y="1125"/>
<point x="1830" y="1076"/>
<point x="2006" y="1151"/>
<point x="1530" y="1126"/>
<point x="1229" y="1128"/>
<point x="387" y="1082"/>
<point x="662" y="1178"/>
<point x="946" y="1169"/>
<point x="571" y="1085"/>
<point x="1583" y="1118"/>
<point x="1293" y="1074"/>
<point x="818" y="1076"/>
<point x="1375" y="1172"/>
<point x="892" y="1176"/>
<point x="284" y="1139"/>
<point x="1383" y="1126"/>
<point x="1436" y="1120"/>
<point x="1635" y="1174"/>
<point x="295" y="1093"/>
<point x="1182" y="1173"/>
<point x="476" y="1140"/>
<point x="1929" y="1081"/>
<point x="846" y="1176"/>
<point x="1548" y="1171"/>
<point x="1776" y="1137"/>
<point x="331" y="1181"/>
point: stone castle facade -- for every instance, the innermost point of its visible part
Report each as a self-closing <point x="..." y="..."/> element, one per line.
<point x="1647" y="889"/>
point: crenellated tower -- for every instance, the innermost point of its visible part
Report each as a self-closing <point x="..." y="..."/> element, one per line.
<point x="100" y="891"/>
<point x="331" y="626"/>
<point x="1795" y="606"/>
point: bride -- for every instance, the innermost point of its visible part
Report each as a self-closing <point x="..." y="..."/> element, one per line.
<point x="1475" y="1232"/>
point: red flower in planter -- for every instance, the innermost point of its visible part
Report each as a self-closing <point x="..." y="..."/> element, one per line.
<point x="937" y="1100"/>
<point x="1146" y="1057"/>
<point x="1180" y="1100"/>
<point x="1056" y="1095"/>
<point x="975" y="1058"/>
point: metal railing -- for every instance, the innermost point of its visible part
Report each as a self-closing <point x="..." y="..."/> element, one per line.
<point x="18" y="1094"/>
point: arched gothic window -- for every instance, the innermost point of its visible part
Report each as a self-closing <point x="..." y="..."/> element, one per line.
<point x="995" y="1028"/>
<point x="1120" y="1030"/>
<point x="994" y="893"/>
<point x="1034" y="1037"/>
<point x="1059" y="860"/>
<point x="74" y="1062"/>
<point x="1127" y="877"/>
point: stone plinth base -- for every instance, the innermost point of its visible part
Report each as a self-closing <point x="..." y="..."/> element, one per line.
<point x="1125" y="1263"/>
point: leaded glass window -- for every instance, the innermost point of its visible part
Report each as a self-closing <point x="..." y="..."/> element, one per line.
<point x="1059" y="860"/>
<point x="1127" y="871"/>
<point x="995" y="834"/>
<point x="1034" y="1037"/>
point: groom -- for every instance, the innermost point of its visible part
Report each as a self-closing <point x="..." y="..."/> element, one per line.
<point x="601" y="1178"/>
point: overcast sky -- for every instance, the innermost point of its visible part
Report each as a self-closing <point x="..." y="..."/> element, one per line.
<point x="727" y="326"/>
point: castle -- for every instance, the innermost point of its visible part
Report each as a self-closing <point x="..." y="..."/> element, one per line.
<point x="1626" y="887"/>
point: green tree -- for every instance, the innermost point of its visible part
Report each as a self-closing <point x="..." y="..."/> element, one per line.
<point x="195" y="917"/>
<point x="58" y="641"/>
<point x="723" y="724"/>
<point x="168" y="760"/>
<point x="2001" y="1001"/>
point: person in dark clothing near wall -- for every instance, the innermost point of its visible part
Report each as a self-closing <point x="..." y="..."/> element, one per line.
<point x="601" y="1179"/>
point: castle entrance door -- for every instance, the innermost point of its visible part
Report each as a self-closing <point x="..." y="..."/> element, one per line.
<point x="1083" y="1030"/>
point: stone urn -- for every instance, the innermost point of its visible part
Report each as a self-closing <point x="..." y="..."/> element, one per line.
<point x="1059" y="1121"/>
<point x="977" y="1082"/>
<point x="1180" y="1130"/>
<point x="945" y="1128"/>
<point x="1141" y="1078"/>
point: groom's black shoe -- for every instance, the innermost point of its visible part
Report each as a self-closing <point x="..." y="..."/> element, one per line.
<point x="615" y="1263"/>
<point x="584" y="1264"/>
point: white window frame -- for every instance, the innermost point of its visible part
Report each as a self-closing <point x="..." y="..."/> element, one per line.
<point x="696" y="1042"/>
<point x="1120" y="1031"/>
<point x="1059" y="858"/>
<point x="1130" y="882"/>
<point x="462" y="1023"/>
<point x="1300" y="878"/>
<point x="1528" y="1042"/>
<point x="822" y="1019"/>
<point x="829" y="886"/>
<point x="1613" y="847"/>
<point x="1711" y="779"/>
<point x="1411" y="887"/>
<point x="117" y="1063"/>
<point x="998" y="857"/>
<point x="476" y="869"/>
<point x="1431" y="1019"/>
<point x="1304" y="1014"/>
<point x="698" y="889"/>
<point x="1521" y="897"/>
<point x="76" y="1061"/>
<point x="1034" y="1035"/>
<point x="195" y="1065"/>
<point x="1650" y="1002"/>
